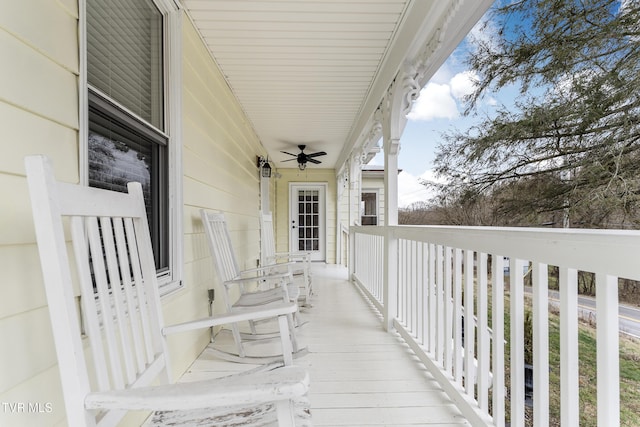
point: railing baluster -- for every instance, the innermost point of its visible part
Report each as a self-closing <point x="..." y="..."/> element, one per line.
<point x="381" y="266"/>
<point x="432" y="298"/>
<point x="448" y="311"/>
<point x="415" y="306"/>
<point x="497" y="323"/>
<point x="457" y="316"/>
<point x="440" y="305"/>
<point x="401" y="265"/>
<point x="516" y="285"/>
<point x="483" y="334"/>
<point x="569" y="391"/>
<point x="425" y="295"/>
<point x="469" y="326"/>
<point x="420" y="261"/>
<point x="540" y="281"/>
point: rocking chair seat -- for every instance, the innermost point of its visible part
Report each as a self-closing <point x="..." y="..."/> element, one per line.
<point x="287" y="382"/>
<point x="230" y="394"/>
<point x="257" y="298"/>
<point x="263" y="415"/>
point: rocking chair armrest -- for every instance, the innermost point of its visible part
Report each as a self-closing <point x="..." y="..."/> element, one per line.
<point x="234" y="390"/>
<point x="270" y="311"/>
<point x="262" y="269"/>
<point x="289" y="264"/>
<point x="297" y="255"/>
<point x="269" y="277"/>
<point x="282" y="259"/>
<point x="269" y="274"/>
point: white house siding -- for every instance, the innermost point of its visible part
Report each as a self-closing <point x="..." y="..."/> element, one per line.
<point x="38" y="115"/>
<point x="311" y="175"/>
<point x="220" y="173"/>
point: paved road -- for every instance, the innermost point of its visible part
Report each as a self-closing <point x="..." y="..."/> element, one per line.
<point x="629" y="316"/>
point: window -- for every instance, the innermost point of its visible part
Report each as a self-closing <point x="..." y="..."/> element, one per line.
<point x="369" y="208"/>
<point x="128" y="137"/>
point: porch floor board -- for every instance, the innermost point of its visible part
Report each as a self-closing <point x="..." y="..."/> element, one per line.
<point x="360" y="375"/>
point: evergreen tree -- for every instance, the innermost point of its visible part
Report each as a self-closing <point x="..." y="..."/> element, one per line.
<point x="570" y="145"/>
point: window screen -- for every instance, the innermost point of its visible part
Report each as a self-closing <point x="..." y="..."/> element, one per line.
<point x="369" y="209"/>
<point x="124" y="55"/>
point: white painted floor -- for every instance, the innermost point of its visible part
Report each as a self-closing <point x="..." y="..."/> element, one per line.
<point x="360" y="375"/>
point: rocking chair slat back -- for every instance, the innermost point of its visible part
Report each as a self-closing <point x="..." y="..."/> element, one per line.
<point x="114" y="280"/>
<point x="267" y="241"/>
<point x="220" y="245"/>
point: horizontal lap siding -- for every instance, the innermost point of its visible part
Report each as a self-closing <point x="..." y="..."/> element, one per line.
<point x="38" y="115"/>
<point x="220" y="173"/>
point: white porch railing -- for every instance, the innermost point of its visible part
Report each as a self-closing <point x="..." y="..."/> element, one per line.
<point x="422" y="278"/>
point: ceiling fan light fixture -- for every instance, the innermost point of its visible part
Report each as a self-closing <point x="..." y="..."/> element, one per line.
<point x="303" y="157"/>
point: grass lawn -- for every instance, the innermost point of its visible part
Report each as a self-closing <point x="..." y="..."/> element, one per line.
<point x="629" y="375"/>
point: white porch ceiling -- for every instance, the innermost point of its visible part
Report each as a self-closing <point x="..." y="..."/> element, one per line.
<point x="313" y="71"/>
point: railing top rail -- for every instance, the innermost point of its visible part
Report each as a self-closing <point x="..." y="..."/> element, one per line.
<point x="614" y="252"/>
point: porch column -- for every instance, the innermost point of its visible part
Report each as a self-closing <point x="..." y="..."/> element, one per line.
<point x="391" y="148"/>
<point x="393" y="111"/>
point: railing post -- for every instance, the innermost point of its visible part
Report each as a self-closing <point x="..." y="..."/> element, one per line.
<point x="351" y="262"/>
<point x="390" y="282"/>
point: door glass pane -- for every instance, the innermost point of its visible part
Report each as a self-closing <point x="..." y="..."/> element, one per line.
<point x="308" y="220"/>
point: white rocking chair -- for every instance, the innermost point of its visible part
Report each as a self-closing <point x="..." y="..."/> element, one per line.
<point x="301" y="260"/>
<point x="117" y="289"/>
<point x="271" y="287"/>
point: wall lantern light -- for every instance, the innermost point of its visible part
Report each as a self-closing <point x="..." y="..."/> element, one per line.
<point x="265" y="167"/>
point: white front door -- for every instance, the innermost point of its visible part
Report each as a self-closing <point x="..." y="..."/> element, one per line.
<point x="307" y="230"/>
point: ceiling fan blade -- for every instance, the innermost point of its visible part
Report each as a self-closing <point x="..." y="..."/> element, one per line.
<point x="289" y="160"/>
<point x="294" y="155"/>
<point x="317" y="162"/>
<point x="319" y="153"/>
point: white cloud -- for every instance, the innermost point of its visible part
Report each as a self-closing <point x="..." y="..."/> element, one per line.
<point x="438" y="100"/>
<point x="435" y="102"/>
<point x="443" y="75"/>
<point x="411" y="191"/>
<point x="463" y="84"/>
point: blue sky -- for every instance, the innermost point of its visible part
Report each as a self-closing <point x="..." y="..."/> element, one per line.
<point x="438" y="109"/>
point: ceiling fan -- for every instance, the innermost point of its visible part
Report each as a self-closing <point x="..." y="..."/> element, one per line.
<point x="303" y="157"/>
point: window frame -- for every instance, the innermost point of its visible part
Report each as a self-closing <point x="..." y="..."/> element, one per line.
<point x="377" y="206"/>
<point x="169" y="280"/>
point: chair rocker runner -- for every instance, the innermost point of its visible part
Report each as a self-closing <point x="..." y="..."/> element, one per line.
<point x="123" y="325"/>
<point x="273" y="287"/>
<point x="301" y="261"/>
